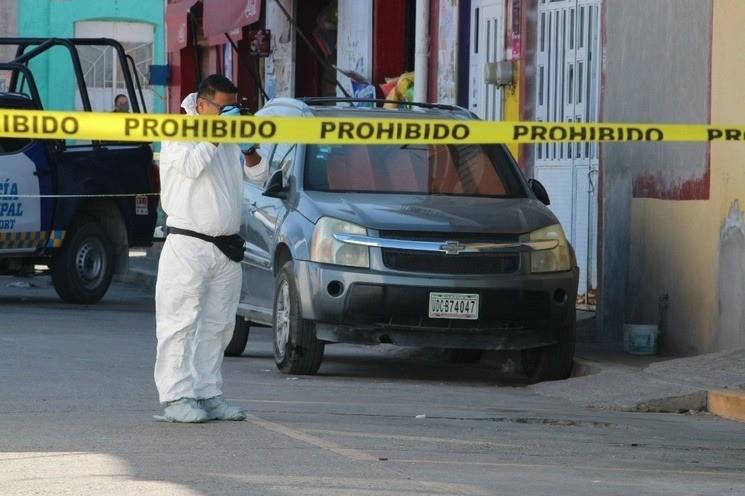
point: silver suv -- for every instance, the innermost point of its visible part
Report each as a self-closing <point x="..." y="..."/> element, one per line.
<point x="443" y="246"/>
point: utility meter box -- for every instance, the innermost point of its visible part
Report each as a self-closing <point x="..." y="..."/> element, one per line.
<point x="500" y="73"/>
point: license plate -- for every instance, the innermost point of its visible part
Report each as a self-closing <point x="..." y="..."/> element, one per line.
<point x="453" y="306"/>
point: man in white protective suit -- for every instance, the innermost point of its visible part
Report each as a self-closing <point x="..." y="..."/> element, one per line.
<point x="199" y="276"/>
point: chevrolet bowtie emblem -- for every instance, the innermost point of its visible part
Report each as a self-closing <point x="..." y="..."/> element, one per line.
<point x="452" y="248"/>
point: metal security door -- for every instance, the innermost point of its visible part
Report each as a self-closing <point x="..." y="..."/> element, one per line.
<point x="567" y="90"/>
<point x="487" y="46"/>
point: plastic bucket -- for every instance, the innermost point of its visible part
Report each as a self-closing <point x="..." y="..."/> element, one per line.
<point x="641" y="339"/>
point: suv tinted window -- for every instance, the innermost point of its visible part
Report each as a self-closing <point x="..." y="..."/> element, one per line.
<point x="469" y="170"/>
<point x="14" y="145"/>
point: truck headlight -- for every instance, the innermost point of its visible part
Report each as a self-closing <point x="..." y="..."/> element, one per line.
<point x="556" y="259"/>
<point x="325" y="249"/>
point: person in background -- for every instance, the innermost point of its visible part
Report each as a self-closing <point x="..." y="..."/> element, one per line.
<point x="121" y="103"/>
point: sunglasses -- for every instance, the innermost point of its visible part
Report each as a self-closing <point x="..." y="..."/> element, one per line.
<point x="230" y="109"/>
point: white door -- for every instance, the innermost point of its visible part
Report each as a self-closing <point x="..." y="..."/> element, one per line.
<point x="487" y="46"/>
<point x="101" y="68"/>
<point x="568" y="70"/>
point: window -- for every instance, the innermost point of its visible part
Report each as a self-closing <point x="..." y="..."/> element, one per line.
<point x="103" y="73"/>
<point x="471" y="170"/>
<point x="282" y="159"/>
<point x="13" y="145"/>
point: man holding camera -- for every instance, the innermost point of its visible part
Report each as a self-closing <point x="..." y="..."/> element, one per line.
<point x="199" y="274"/>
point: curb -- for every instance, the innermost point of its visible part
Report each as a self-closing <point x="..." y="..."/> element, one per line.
<point x="727" y="403"/>
<point x="694" y="402"/>
<point x="583" y="367"/>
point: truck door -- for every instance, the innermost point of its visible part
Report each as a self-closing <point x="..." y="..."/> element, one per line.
<point x="25" y="217"/>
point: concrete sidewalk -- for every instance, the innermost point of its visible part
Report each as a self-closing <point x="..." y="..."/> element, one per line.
<point x="618" y="381"/>
<point x="603" y="379"/>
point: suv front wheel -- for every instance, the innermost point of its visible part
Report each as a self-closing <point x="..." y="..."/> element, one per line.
<point x="555" y="362"/>
<point x="296" y="349"/>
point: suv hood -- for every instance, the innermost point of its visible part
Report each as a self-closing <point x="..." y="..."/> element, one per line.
<point x="394" y="212"/>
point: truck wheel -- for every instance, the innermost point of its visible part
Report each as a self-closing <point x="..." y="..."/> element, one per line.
<point x="555" y="362"/>
<point x="296" y="349"/>
<point x="82" y="269"/>
<point x="240" y="336"/>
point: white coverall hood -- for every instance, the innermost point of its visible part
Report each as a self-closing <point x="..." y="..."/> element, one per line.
<point x="189" y="104"/>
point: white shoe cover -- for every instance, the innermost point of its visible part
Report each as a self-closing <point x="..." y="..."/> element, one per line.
<point x="185" y="410"/>
<point x="218" y="409"/>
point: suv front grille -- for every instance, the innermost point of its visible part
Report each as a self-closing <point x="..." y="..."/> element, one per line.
<point x="440" y="263"/>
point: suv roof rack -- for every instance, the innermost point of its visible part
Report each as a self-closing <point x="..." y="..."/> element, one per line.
<point x="325" y="100"/>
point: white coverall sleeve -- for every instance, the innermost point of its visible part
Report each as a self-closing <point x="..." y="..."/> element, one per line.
<point x="256" y="174"/>
<point x="189" y="159"/>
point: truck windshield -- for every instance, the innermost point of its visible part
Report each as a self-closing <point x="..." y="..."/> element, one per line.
<point x="459" y="170"/>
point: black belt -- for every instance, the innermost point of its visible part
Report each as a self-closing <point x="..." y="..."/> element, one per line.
<point x="231" y="246"/>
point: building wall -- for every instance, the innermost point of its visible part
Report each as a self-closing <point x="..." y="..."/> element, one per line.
<point x="512" y="99"/>
<point x="46" y="18"/>
<point x="447" y="53"/>
<point x="280" y="66"/>
<point x="656" y="69"/>
<point x="527" y="77"/>
<point x="8" y="25"/>
<point x="355" y="40"/>
<point x="695" y="251"/>
<point x="727" y="180"/>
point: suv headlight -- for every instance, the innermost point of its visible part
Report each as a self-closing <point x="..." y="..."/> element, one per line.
<point x="325" y="249"/>
<point x="556" y="259"/>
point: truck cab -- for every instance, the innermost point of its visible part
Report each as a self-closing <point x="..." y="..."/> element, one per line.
<point x="76" y="208"/>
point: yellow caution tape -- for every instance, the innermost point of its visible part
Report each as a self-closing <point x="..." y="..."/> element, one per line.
<point x="161" y="127"/>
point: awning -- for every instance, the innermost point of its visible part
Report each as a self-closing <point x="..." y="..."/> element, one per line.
<point x="228" y="16"/>
<point x="177" y="27"/>
<point x="220" y="39"/>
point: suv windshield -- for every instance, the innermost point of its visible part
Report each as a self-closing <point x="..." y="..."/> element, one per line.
<point x="460" y="170"/>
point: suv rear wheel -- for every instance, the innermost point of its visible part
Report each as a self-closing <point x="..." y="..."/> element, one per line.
<point x="82" y="269"/>
<point x="296" y="349"/>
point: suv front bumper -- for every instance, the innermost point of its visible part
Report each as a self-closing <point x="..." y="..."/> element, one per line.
<point x="369" y="307"/>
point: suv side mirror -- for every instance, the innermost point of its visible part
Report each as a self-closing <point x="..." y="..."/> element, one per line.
<point x="539" y="191"/>
<point x="275" y="188"/>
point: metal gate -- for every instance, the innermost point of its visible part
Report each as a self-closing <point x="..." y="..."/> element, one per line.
<point x="567" y="90"/>
<point x="487" y="46"/>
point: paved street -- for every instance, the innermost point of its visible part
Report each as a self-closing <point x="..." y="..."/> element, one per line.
<point x="78" y="399"/>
